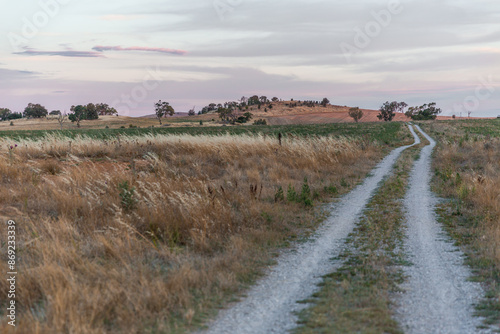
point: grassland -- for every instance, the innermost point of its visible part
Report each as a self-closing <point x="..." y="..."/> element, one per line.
<point x="384" y="133"/>
<point x="467" y="174"/>
<point x="150" y="231"/>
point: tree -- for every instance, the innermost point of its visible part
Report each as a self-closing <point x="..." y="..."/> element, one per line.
<point x="191" y="112"/>
<point x="4" y="114"/>
<point x="55" y="113"/>
<point x="389" y="109"/>
<point x="77" y="114"/>
<point x="91" y="112"/>
<point x="245" y="118"/>
<point x="424" y="112"/>
<point x="325" y="102"/>
<point x="356" y="114"/>
<point x="61" y="119"/>
<point x="104" y="109"/>
<point x="275" y="99"/>
<point x="263" y="99"/>
<point x="15" y="115"/>
<point x="253" y="100"/>
<point x="162" y="109"/>
<point x="35" y="111"/>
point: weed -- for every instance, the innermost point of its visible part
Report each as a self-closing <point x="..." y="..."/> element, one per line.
<point x="291" y="194"/>
<point x="280" y="195"/>
<point x="305" y="195"/>
<point x="128" y="200"/>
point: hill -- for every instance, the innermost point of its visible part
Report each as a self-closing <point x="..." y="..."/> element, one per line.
<point x="281" y="113"/>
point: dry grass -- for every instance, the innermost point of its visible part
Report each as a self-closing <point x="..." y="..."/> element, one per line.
<point x="148" y="234"/>
<point x="471" y="171"/>
<point x="467" y="165"/>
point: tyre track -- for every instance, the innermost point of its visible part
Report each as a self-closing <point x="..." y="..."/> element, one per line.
<point x="438" y="298"/>
<point x="271" y="304"/>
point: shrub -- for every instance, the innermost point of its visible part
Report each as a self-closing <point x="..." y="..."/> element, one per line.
<point x="260" y="122"/>
<point x="128" y="200"/>
<point x="280" y="195"/>
<point x="305" y="195"/>
<point x="331" y="190"/>
<point x="291" y="194"/>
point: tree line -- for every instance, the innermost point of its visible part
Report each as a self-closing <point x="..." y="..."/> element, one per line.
<point x="427" y="111"/>
<point x="78" y="113"/>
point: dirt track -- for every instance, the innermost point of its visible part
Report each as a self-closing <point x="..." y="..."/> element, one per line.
<point x="438" y="298"/>
<point x="271" y="303"/>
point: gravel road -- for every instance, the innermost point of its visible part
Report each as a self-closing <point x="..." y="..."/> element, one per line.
<point x="270" y="305"/>
<point x="438" y="298"/>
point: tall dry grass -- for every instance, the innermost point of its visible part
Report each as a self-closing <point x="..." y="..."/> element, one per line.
<point x="150" y="234"/>
<point x="467" y="166"/>
<point x="470" y="172"/>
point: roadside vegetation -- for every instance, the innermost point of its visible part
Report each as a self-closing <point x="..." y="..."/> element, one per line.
<point x="356" y="298"/>
<point x="467" y="174"/>
<point x="139" y="231"/>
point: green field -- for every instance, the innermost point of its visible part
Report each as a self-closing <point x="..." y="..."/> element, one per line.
<point x="387" y="133"/>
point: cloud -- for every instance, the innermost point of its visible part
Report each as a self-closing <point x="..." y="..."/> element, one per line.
<point x="119" y="17"/>
<point x="138" y="48"/>
<point x="72" y="54"/>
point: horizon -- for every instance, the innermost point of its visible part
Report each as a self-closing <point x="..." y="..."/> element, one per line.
<point x="130" y="54"/>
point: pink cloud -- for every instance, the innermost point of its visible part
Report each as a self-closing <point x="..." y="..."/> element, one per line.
<point x="138" y="48"/>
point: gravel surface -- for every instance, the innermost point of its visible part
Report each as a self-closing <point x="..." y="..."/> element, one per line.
<point x="437" y="298"/>
<point x="270" y="305"/>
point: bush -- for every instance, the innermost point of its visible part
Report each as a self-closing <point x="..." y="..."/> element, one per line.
<point x="291" y="194"/>
<point x="260" y="122"/>
<point x="280" y="195"/>
<point x="305" y="195"/>
<point x="11" y="123"/>
<point x="331" y="190"/>
<point x="128" y="200"/>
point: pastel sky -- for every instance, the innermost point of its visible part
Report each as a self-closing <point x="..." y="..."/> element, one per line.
<point x="131" y="53"/>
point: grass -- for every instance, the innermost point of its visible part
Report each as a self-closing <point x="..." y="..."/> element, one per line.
<point x="391" y="134"/>
<point x="152" y="233"/>
<point x="467" y="174"/>
<point x="356" y="298"/>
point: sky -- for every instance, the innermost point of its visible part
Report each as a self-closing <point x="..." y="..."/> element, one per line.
<point x="130" y="53"/>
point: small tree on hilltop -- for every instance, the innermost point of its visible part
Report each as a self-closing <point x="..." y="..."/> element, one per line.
<point x="389" y="109"/>
<point x="356" y="114"/>
<point x="162" y="109"/>
<point x="325" y="102"/>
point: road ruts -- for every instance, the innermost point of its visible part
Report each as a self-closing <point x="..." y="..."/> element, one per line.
<point x="270" y="305"/>
<point x="437" y="298"/>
